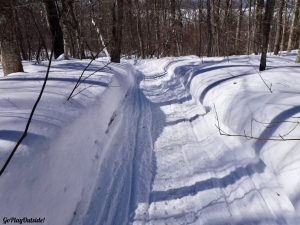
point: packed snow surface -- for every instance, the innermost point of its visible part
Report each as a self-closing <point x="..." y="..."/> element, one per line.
<point x="140" y="143"/>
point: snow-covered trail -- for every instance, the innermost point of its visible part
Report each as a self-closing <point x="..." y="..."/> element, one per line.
<point x="200" y="177"/>
<point x="138" y="143"/>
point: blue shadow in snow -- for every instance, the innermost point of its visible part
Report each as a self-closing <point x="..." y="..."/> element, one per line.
<point x="77" y="66"/>
<point x="171" y="123"/>
<point x="268" y="132"/>
<point x="211" y="183"/>
<point x="13" y="135"/>
<point x="278" y="220"/>
<point x="175" y="101"/>
<point x="211" y="86"/>
<point x="72" y="80"/>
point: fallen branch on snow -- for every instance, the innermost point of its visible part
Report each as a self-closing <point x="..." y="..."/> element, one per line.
<point x="249" y="137"/>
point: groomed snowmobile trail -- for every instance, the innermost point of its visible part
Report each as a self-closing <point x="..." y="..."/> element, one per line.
<point x="140" y="142"/>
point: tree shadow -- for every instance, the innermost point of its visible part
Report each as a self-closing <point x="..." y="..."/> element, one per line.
<point x="14" y="136"/>
<point x="269" y="131"/>
<point x="211" y="183"/>
<point x="60" y="79"/>
<point x="216" y="83"/>
<point x="172" y="123"/>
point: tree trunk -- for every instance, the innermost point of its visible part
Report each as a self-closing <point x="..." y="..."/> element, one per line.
<point x="294" y="26"/>
<point x="259" y="5"/>
<point x="56" y="31"/>
<point x="238" y="28"/>
<point x="173" y="43"/>
<point x="20" y="38"/>
<point x="157" y="29"/>
<point x="139" y="29"/>
<point x="298" y="56"/>
<point x="216" y="25"/>
<point x="209" y="29"/>
<point x="266" y="32"/>
<point x="284" y="29"/>
<point x="200" y="15"/>
<point x="228" y="23"/>
<point x="249" y="44"/>
<point x="279" y="28"/>
<point x="10" y="55"/>
<point x="117" y="11"/>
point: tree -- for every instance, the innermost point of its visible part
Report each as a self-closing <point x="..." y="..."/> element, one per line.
<point x="266" y="32"/>
<point x="298" y="56"/>
<point x="238" y="27"/>
<point x="117" y="12"/>
<point x="284" y="28"/>
<point x="56" y="31"/>
<point x="10" y="55"/>
<point x="139" y="29"/>
<point x="259" y="6"/>
<point x="294" y="26"/>
<point x="209" y="29"/>
<point x="279" y="28"/>
<point x="249" y="27"/>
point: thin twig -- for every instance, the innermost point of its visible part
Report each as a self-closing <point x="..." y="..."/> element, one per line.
<point x="269" y="87"/>
<point x="30" y="117"/>
<point x="272" y="138"/>
<point x="81" y="75"/>
<point x="72" y="94"/>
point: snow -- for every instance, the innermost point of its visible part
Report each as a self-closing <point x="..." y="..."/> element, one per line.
<point x="139" y="144"/>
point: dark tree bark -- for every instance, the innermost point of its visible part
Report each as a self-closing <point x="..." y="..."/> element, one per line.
<point x="284" y="29"/>
<point x="56" y="31"/>
<point x="259" y="5"/>
<point x="249" y="27"/>
<point x="10" y="55"/>
<point x="209" y="29"/>
<point x="266" y="32"/>
<point x="298" y="56"/>
<point x="157" y="29"/>
<point x="216" y="5"/>
<point x="173" y="27"/>
<point x="227" y="24"/>
<point x="238" y="28"/>
<point x="278" y="28"/>
<point x="200" y="16"/>
<point x="117" y="12"/>
<point x="139" y="30"/>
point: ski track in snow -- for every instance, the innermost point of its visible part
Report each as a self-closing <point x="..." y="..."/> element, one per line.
<point x="155" y="155"/>
<point x="201" y="177"/>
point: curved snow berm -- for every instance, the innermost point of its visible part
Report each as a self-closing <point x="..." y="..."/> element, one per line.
<point x="201" y="177"/>
<point x="75" y="166"/>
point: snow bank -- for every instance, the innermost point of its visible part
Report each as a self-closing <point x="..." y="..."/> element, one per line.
<point x="54" y="171"/>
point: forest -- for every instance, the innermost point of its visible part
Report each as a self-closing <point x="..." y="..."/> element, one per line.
<point x="146" y="29"/>
<point x="150" y="112"/>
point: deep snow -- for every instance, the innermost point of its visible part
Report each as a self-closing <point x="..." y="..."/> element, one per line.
<point x="140" y="145"/>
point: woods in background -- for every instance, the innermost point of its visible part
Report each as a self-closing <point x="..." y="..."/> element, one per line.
<point x="145" y="28"/>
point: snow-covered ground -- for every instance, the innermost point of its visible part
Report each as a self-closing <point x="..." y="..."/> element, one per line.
<point x="139" y="143"/>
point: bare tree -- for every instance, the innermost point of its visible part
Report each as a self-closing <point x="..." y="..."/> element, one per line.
<point x="56" y="31"/>
<point x="238" y="26"/>
<point x="284" y="28"/>
<point x="259" y="6"/>
<point x="294" y="26"/>
<point x="266" y="32"/>
<point x="117" y="12"/>
<point x="298" y="56"/>
<point x="249" y="44"/>
<point x="10" y="55"/>
<point x="278" y="28"/>
<point x="209" y="29"/>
